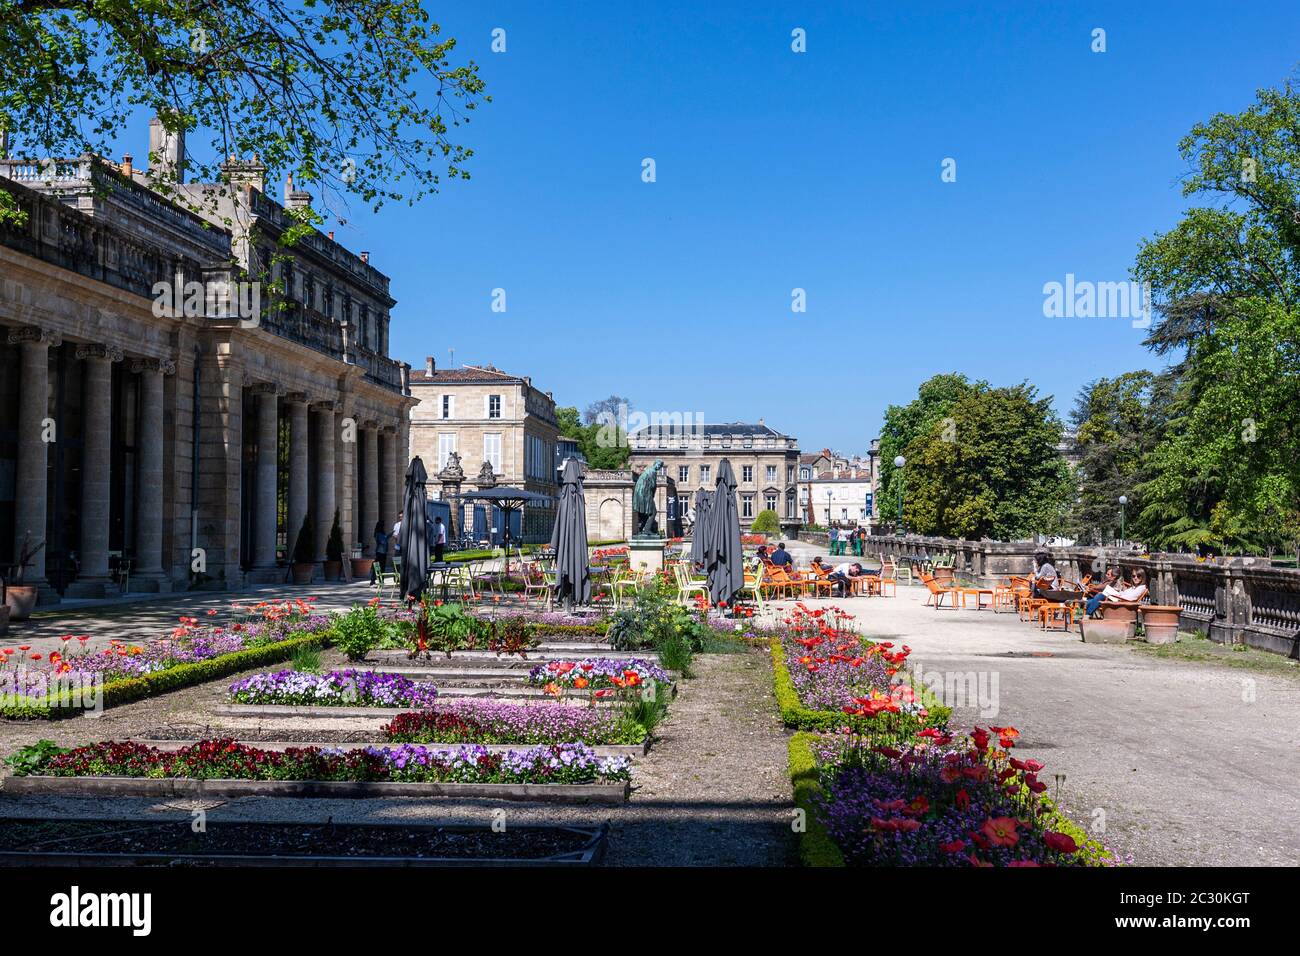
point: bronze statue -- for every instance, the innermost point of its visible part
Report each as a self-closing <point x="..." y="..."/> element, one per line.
<point x="646" y="524"/>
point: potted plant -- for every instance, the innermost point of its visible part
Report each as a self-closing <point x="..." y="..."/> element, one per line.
<point x="20" y="598"/>
<point x="304" y="563"/>
<point x="1118" y="624"/>
<point x="334" y="551"/>
<point x="360" y="563"/>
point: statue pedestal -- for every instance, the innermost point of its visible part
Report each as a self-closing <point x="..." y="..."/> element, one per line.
<point x="646" y="554"/>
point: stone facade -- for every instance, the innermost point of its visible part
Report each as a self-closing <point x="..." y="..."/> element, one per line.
<point x="188" y="443"/>
<point x="485" y="415"/>
<point x="764" y="460"/>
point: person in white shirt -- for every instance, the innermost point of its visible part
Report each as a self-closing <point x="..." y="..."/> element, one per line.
<point x="439" y="538"/>
<point x="844" y="575"/>
<point x="397" y="534"/>
<point x="1044" y="577"/>
<point x="1115" y="591"/>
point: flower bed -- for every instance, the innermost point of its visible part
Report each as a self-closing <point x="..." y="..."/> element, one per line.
<point x="944" y="800"/>
<point x="598" y="673"/>
<point x="402" y="763"/>
<point x="73" y="680"/>
<point x="828" y="677"/>
<point x="500" y="722"/>
<point x="345" y="688"/>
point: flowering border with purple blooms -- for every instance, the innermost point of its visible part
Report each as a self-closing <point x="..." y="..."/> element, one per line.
<point x="599" y="673"/>
<point x="340" y="688"/>
<point x="486" y="721"/>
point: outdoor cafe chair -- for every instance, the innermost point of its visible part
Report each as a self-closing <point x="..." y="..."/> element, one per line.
<point x="938" y="592"/>
<point x="686" y="587"/>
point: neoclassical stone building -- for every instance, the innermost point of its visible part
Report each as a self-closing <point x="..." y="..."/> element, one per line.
<point x="185" y="442"/>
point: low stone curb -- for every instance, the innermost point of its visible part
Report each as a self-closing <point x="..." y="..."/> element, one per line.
<point x="188" y="788"/>
<point x="603" y="750"/>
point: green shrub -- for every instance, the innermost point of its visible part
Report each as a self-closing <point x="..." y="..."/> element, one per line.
<point x="359" y="632"/>
<point x="29" y="759"/>
<point x="816" y="848"/>
<point x="766" y="522"/>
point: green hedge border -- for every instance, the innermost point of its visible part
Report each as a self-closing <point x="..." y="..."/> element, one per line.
<point x="796" y="715"/>
<point x="160" y="682"/>
<point x="815" y="846"/>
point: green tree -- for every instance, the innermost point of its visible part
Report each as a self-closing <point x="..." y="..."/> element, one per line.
<point x="359" y="97"/>
<point x="1117" y="423"/>
<point x="601" y="448"/>
<point x="903" y="423"/>
<point x="990" y="467"/>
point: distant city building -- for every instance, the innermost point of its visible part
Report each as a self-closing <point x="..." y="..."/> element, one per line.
<point x="764" y="460"/>
<point x="839" y="490"/>
<point x="488" y="416"/>
<point x="199" y="425"/>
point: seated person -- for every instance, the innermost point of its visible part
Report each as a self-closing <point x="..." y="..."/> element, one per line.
<point x="1135" y="593"/>
<point x="781" y="557"/>
<point x="820" y="567"/>
<point x="762" y="554"/>
<point x="1111" y="585"/>
<point x="1044" y="577"/>
<point x="844" y="575"/>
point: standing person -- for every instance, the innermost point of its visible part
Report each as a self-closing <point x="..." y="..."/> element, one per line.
<point x="439" y="538"/>
<point x="835" y="540"/>
<point x="381" y="552"/>
<point x="397" y="536"/>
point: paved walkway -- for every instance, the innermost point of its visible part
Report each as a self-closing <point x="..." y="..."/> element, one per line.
<point x="1181" y="763"/>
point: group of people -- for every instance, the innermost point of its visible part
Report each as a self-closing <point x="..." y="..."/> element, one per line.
<point x="854" y="540"/>
<point x="386" y="542"/>
<point x="1115" y="587"/>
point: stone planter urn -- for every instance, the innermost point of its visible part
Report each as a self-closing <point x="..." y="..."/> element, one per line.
<point x="361" y="567"/>
<point x="21" y="601"/>
<point x="1118" y="624"/>
<point x="1160" y="623"/>
<point x="303" y="573"/>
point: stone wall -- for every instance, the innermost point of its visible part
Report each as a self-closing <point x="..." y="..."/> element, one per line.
<point x="1234" y="601"/>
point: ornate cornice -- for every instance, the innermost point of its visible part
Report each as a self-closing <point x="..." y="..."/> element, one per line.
<point x="297" y="398"/>
<point x="35" y="335"/>
<point x="163" y="365"/>
<point x="266" y="388"/>
<point x="95" y="350"/>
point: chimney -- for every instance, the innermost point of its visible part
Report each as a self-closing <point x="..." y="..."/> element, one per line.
<point x="295" y="198"/>
<point x="245" y="173"/>
<point x="331" y="235"/>
<point x="166" y="152"/>
<point x="429" y="365"/>
<point x="126" y="165"/>
<point x="365" y="257"/>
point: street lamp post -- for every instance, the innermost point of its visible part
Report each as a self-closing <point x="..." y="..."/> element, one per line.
<point x="899" y="462"/>
<point x="1123" y="506"/>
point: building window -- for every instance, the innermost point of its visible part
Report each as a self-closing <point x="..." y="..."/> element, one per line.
<point x="844" y="514"/>
<point x="683" y="473"/>
<point x="790" y="507"/>
<point x="770" y="502"/>
<point x="494" y="406"/>
<point x="748" y="443"/>
<point x="448" y="406"/>
<point x="771" y="473"/>
<point x="446" y="445"/>
<point x="704" y="473"/>
<point x="747" y="506"/>
<point x="805" y="474"/>
<point x="492" y="450"/>
<point x="789" y="473"/>
<point x="747" y="474"/>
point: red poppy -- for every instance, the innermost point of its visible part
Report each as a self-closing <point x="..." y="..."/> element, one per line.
<point x="953" y="846"/>
<point x="1060" y="842"/>
<point x="1000" y="831"/>
<point x="962" y="800"/>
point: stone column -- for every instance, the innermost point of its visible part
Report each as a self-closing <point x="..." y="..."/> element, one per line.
<point x="388" y="478"/>
<point x="268" y="441"/>
<point x="324" y="468"/>
<point x="298" y="438"/>
<point x="369" y="487"/>
<point x="96" y="466"/>
<point x="33" y="449"/>
<point x="345" y="489"/>
<point x="149" y="513"/>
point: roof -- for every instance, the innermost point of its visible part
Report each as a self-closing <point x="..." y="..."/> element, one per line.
<point x="465" y="375"/>
<point x="726" y="428"/>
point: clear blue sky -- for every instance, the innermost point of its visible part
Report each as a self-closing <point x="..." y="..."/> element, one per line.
<point x="818" y="170"/>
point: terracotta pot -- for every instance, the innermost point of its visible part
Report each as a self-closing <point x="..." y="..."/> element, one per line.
<point x="1118" y="624"/>
<point x="361" y="567"/>
<point x="303" y="573"/>
<point x="333" y="570"/>
<point x="1160" y="623"/>
<point x="21" y="601"/>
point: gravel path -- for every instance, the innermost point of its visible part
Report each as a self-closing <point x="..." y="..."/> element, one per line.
<point x="713" y="791"/>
